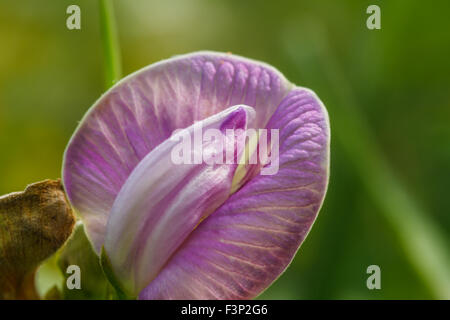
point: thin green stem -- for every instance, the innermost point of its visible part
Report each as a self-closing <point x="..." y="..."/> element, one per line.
<point x="110" y="43"/>
<point x="109" y="273"/>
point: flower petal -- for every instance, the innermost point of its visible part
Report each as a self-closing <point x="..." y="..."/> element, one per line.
<point x="248" y="242"/>
<point x="143" y="110"/>
<point x="163" y="201"/>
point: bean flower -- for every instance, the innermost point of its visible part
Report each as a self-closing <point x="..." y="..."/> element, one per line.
<point x="198" y="230"/>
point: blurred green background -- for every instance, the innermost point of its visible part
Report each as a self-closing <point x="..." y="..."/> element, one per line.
<point x="387" y="93"/>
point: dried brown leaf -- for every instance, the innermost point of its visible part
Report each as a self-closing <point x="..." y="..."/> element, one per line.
<point x="33" y="225"/>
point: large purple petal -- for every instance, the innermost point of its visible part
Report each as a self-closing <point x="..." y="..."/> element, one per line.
<point x="164" y="199"/>
<point x="142" y="111"/>
<point x="247" y="243"/>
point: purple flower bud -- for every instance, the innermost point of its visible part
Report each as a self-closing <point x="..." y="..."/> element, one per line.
<point x="187" y="229"/>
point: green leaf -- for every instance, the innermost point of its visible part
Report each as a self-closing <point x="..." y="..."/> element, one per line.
<point x="78" y="251"/>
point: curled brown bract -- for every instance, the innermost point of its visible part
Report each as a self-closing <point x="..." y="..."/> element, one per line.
<point x="34" y="224"/>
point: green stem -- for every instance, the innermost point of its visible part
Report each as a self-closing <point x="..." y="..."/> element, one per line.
<point x="109" y="273"/>
<point x="110" y="43"/>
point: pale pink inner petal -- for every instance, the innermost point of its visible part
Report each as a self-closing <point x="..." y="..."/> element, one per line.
<point x="162" y="201"/>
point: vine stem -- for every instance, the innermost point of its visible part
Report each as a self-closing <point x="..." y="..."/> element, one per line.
<point x="110" y="44"/>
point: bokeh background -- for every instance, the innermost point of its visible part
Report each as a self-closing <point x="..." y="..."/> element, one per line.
<point x="387" y="93"/>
